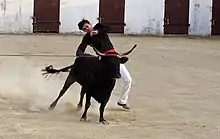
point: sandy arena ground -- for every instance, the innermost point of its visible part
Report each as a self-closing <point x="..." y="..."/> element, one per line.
<point x="175" y="91"/>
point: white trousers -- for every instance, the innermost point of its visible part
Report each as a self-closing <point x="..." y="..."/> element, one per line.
<point x="126" y="84"/>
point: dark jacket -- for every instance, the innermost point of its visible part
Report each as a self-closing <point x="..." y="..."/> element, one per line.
<point x="100" y="41"/>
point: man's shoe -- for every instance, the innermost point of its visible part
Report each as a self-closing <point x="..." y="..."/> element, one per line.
<point x="123" y="105"/>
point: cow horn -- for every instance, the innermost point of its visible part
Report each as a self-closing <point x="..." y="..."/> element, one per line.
<point x="102" y="54"/>
<point x="128" y="52"/>
<point x="122" y="54"/>
<point x="97" y="52"/>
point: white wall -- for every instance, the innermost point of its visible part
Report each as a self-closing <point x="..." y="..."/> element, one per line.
<point x="141" y="16"/>
<point x="72" y="11"/>
<point x="144" y="17"/>
<point x="199" y="17"/>
<point x="15" y="16"/>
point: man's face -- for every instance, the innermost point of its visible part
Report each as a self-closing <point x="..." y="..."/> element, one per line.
<point x="87" y="28"/>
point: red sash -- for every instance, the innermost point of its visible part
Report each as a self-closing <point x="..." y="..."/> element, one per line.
<point x="110" y="51"/>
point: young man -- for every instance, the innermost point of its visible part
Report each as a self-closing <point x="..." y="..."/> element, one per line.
<point x="98" y="37"/>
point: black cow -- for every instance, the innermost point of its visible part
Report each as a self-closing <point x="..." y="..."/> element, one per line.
<point x="89" y="72"/>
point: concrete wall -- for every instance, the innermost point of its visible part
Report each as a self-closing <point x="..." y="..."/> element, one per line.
<point x="144" y="17"/>
<point x="147" y="17"/>
<point x="15" y="16"/>
<point x="200" y="16"/>
<point x="72" y="11"/>
<point x="141" y="16"/>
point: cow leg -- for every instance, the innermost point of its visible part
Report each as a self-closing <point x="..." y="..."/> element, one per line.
<point x="69" y="81"/>
<point x="87" y="105"/>
<point x="101" y="110"/>
<point x="82" y="93"/>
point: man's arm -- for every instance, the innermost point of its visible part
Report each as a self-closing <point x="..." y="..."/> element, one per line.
<point x="101" y="28"/>
<point x="82" y="47"/>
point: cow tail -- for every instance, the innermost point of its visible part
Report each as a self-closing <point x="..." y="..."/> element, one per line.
<point x="66" y="69"/>
<point x="51" y="70"/>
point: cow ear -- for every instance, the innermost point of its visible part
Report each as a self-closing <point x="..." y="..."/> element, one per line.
<point x="123" y="60"/>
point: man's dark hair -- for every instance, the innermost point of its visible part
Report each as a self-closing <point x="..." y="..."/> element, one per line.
<point x="82" y="22"/>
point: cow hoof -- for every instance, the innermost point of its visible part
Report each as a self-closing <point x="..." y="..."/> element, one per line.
<point x="83" y="119"/>
<point x="79" y="107"/>
<point x="104" y="122"/>
<point x="52" y="106"/>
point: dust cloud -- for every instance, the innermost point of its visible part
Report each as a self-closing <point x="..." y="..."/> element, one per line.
<point x="23" y="84"/>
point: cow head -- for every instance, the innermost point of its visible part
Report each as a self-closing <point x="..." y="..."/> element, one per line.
<point x="122" y="56"/>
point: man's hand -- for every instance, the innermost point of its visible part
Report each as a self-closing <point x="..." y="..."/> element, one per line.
<point x="94" y="32"/>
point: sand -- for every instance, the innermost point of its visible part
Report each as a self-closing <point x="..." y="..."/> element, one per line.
<point x="175" y="90"/>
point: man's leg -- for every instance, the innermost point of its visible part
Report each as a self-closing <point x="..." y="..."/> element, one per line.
<point x="126" y="78"/>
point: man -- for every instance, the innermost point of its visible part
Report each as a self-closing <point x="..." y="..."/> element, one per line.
<point x="97" y="36"/>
